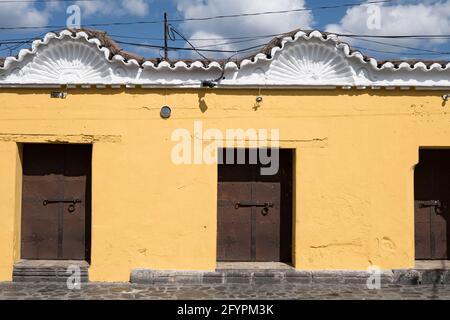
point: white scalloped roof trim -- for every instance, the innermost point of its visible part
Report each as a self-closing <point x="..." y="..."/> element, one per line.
<point x="348" y="53"/>
<point x="117" y="57"/>
<point x="230" y="65"/>
<point x="333" y="65"/>
<point x="63" y="34"/>
<point x="181" y="65"/>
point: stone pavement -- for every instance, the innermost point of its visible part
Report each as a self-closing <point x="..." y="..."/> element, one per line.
<point x="127" y="291"/>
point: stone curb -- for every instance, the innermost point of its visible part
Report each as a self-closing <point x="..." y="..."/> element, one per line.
<point x="146" y="276"/>
<point x="408" y="277"/>
<point x="44" y="279"/>
<point x="244" y="276"/>
<point x="418" y="277"/>
<point x="46" y="274"/>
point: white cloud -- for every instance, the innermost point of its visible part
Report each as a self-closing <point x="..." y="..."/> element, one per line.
<point x="217" y="44"/>
<point x="405" y="19"/>
<point x="244" y="26"/>
<point x="216" y="41"/>
<point x="13" y="14"/>
<point x="93" y="7"/>
<point x="138" y="8"/>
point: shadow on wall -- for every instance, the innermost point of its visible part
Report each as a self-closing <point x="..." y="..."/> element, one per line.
<point x="201" y="102"/>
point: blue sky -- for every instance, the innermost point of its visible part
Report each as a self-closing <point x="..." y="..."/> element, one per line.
<point x="396" y="17"/>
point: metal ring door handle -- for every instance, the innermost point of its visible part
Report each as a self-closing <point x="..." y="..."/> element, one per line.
<point x="253" y="204"/>
<point x="72" y="203"/>
<point x="266" y="206"/>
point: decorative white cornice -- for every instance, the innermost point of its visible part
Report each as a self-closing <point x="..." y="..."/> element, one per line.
<point x="305" y="60"/>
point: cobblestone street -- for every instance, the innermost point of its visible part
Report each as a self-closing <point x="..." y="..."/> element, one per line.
<point x="126" y="291"/>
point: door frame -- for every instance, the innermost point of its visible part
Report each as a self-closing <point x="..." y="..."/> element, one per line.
<point x="19" y="196"/>
<point x="414" y="171"/>
<point x="293" y="160"/>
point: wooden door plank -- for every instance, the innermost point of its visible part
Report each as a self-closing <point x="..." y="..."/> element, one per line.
<point x="234" y="225"/>
<point x="42" y="168"/>
<point x="76" y="179"/>
<point x="267" y="228"/>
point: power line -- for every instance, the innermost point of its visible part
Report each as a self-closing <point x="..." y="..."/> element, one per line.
<point x="344" y="5"/>
<point x="252" y="48"/>
<point x="397" y="53"/>
<point x="162" y="39"/>
<point x="171" y="32"/>
<point x="21" y="39"/>
<point x="42" y="1"/>
<point x="401" y="46"/>
<point x="251" y="39"/>
<point x="245" y="40"/>
<point x="434" y="52"/>
<point x="228" y="42"/>
<point x="188" y="49"/>
<point x="107" y="24"/>
<point x="428" y="36"/>
<point x="425" y="36"/>
<point x="203" y="18"/>
<point x="191" y="39"/>
<point x="201" y="49"/>
<point x="356" y="36"/>
<point x="20" y="44"/>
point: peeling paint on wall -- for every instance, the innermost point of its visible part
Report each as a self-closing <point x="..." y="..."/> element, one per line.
<point x="50" y="138"/>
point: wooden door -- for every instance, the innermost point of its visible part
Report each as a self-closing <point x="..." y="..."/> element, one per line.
<point x="56" y="202"/>
<point x="255" y="212"/>
<point x="432" y="199"/>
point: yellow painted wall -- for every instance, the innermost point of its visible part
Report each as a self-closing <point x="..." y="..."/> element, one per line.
<point x="355" y="155"/>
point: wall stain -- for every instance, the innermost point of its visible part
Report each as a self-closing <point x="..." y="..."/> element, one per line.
<point x="337" y="244"/>
<point x="143" y="251"/>
<point x="387" y="244"/>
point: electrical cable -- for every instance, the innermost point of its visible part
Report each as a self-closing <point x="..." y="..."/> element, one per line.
<point x="345" y="5"/>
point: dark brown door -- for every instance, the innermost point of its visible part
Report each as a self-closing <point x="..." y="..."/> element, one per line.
<point x="432" y="199"/>
<point x="56" y="202"/>
<point x="255" y="212"/>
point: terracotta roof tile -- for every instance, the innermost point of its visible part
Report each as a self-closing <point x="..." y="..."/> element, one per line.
<point x="109" y="43"/>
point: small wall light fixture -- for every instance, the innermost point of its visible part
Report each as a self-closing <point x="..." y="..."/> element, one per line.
<point x="208" y="84"/>
<point x="258" y="102"/>
<point x="58" y="95"/>
<point x="445" y="97"/>
<point x="166" y="112"/>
